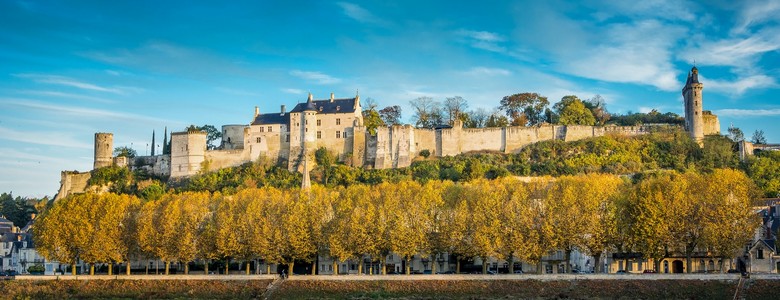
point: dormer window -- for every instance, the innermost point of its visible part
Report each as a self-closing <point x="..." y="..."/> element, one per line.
<point x="338" y="107"/>
<point x="320" y="108"/>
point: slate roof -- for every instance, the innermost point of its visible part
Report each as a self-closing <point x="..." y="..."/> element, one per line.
<point x="277" y="118"/>
<point x="4" y="220"/>
<point x="346" y="105"/>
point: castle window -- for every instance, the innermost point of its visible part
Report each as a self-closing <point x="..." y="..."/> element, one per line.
<point x="258" y="140"/>
<point x="287" y="139"/>
<point x="345" y="135"/>
<point x="306" y="130"/>
<point x="307" y="122"/>
<point x="319" y="122"/>
<point x="338" y="121"/>
<point x="760" y="254"/>
<point x="338" y="133"/>
<point x="262" y="129"/>
<point x="270" y="128"/>
<point x="319" y="134"/>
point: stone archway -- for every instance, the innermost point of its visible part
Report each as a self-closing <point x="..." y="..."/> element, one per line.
<point x="677" y="266"/>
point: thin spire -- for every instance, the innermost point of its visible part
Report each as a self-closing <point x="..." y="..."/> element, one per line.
<point x="152" y="142"/>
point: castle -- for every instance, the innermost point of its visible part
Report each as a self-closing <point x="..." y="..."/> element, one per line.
<point x="291" y="138"/>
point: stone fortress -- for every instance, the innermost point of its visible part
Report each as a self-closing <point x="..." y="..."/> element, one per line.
<point x="291" y="138"/>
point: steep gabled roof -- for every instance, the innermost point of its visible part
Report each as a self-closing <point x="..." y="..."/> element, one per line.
<point x="277" y="118"/>
<point x="346" y="105"/>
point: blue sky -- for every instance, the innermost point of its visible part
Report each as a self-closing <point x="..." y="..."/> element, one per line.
<point x="69" y="69"/>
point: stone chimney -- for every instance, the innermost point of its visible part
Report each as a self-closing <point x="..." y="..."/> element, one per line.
<point x="284" y="108"/>
<point x="257" y="111"/>
<point x="331" y="97"/>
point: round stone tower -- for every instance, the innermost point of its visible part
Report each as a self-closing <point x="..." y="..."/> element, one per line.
<point x="692" y="95"/>
<point x="104" y="148"/>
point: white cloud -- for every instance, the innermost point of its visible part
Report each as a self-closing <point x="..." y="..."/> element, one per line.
<point x="755" y="12"/>
<point x="50" y="138"/>
<point x="484" y="40"/>
<point x="80" y="112"/>
<point x="739" y="86"/>
<point x="67" y="81"/>
<point x="485" y="71"/>
<point x="294" y="91"/>
<point x="360" y="14"/>
<point x="65" y="95"/>
<point x="631" y="53"/>
<point x="316" y="77"/>
<point x="735" y="112"/>
<point x="734" y="52"/>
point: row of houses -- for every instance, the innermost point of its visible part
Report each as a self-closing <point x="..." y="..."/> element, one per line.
<point x="17" y="250"/>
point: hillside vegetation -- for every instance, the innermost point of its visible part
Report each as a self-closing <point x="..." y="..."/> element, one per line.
<point x="671" y="149"/>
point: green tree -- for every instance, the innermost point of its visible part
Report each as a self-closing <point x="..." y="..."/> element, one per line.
<point x="573" y="112"/>
<point x="758" y="137"/>
<point x="372" y="120"/>
<point x="125" y="151"/>
<point x="212" y="135"/>
<point x="525" y="108"/>
<point x="736" y="134"/>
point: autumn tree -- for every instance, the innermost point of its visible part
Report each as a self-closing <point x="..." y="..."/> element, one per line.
<point x="598" y="106"/>
<point x="524" y="109"/>
<point x="455" y="109"/>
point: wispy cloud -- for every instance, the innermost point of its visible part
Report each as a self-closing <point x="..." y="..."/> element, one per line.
<point x="485" y="71"/>
<point x="56" y="94"/>
<point x="484" y="40"/>
<point x="71" y="82"/>
<point x="316" y="77"/>
<point x="293" y="91"/>
<point x="360" y="14"/>
<point x="734" y="52"/>
<point x="756" y="12"/>
<point x="78" y="111"/>
<point x="739" y="86"/>
<point x="50" y="138"/>
<point x="736" y="112"/>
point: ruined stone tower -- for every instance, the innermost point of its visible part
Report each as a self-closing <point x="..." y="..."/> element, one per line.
<point x="692" y="97"/>
<point x="104" y="147"/>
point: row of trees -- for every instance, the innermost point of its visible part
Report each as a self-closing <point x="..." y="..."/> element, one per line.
<point x="522" y="109"/>
<point x="658" y="215"/>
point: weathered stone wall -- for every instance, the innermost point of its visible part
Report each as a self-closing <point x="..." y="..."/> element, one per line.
<point x="478" y="139"/>
<point x="104" y="149"/>
<point x="219" y="159"/>
<point x="158" y="165"/>
<point x="188" y="151"/>
<point x="711" y="123"/>
<point x="425" y="139"/>
<point x="72" y="182"/>
<point x="233" y="137"/>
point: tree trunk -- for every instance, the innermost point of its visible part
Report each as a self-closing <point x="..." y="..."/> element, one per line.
<point x="567" y="257"/>
<point x="383" y="261"/>
<point x="314" y="268"/>
<point x="722" y="262"/>
<point x="187" y="268"/>
<point x="433" y="265"/>
<point x="92" y="269"/>
<point x="511" y="261"/>
<point x="167" y="268"/>
<point x="597" y="262"/>
<point x="147" y="267"/>
<point x="290" y="268"/>
<point x="408" y="267"/>
<point x="127" y="268"/>
<point x="73" y="269"/>
<point x="539" y="267"/>
<point x="335" y="267"/>
<point x="688" y="262"/>
<point x="457" y="266"/>
<point x="360" y="267"/>
<point x="227" y="266"/>
<point x="247" y="267"/>
<point x="206" y="266"/>
<point x="484" y="265"/>
<point x="110" y="269"/>
<point x="268" y="269"/>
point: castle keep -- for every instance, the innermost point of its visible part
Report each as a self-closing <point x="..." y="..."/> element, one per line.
<point x="291" y="138"/>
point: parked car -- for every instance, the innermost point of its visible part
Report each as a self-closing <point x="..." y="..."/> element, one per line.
<point x="518" y="272"/>
<point x="621" y="272"/>
<point x="446" y="272"/>
<point x="733" y="271"/>
<point x="648" y="271"/>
